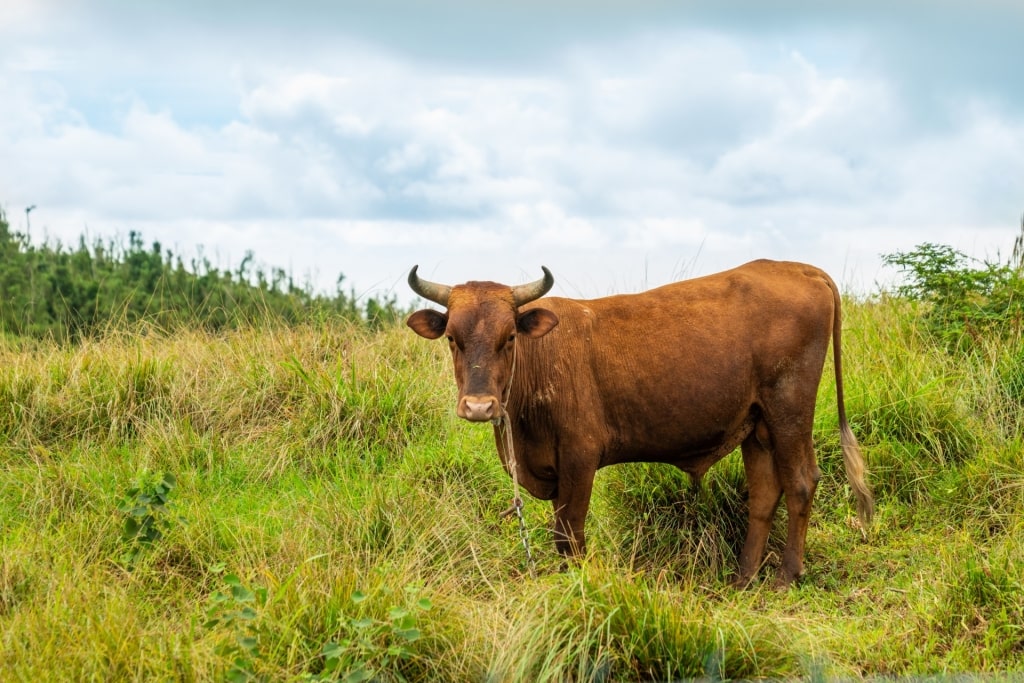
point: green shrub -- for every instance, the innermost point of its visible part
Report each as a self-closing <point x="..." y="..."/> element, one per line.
<point x="235" y="615"/>
<point x="148" y="513"/>
<point x="965" y="304"/>
<point x="374" y="648"/>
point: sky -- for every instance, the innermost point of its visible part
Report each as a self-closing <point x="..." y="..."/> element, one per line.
<point x="622" y="143"/>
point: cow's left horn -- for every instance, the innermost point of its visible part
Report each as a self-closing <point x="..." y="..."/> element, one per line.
<point x="430" y="291"/>
<point x="526" y="293"/>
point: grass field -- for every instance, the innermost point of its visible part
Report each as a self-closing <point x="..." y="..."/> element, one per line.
<point x="292" y="504"/>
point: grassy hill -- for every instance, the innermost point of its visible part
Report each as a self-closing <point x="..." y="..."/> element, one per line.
<point x="299" y="502"/>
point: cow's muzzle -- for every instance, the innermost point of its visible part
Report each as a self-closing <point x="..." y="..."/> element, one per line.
<point x="478" y="408"/>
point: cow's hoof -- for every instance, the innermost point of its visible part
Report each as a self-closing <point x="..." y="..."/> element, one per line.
<point x="784" y="581"/>
<point x="742" y="583"/>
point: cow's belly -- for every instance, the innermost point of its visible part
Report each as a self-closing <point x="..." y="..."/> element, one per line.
<point x="692" y="442"/>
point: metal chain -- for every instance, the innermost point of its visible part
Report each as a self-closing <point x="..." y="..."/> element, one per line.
<point x="524" y="535"/>
<point x="504" y="425"/>
<point x="517" y="501"/>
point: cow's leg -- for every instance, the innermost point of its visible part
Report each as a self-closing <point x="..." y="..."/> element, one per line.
<point x="575" y="484"/>
<point x="765" y="492"/>
<point x="799" y="475"/>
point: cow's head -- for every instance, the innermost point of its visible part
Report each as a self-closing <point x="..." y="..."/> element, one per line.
<point x="482" y="322"/>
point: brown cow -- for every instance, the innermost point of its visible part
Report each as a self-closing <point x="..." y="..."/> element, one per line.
<point x="681" y="374"/>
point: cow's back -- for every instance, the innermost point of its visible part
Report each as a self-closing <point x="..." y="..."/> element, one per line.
<point x="675" y="372"/>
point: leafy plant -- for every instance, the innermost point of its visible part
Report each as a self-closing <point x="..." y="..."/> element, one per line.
<point x="372" y="647"/>
<point x="965" y="303"/>
<point x="148" y="513"/>
<point x="235" y="610"/>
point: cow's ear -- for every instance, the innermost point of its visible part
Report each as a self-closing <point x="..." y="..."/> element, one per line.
<point x="428" y="323"/>
<point x="536" y="322"/>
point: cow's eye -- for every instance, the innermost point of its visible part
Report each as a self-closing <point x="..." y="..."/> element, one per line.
<point x="511" y="338"/>
<point x="451" y="339"/>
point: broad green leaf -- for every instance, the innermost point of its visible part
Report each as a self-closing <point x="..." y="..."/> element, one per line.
<point x="332" y="650"/>
<point x="409" y="635"/>
<point x="248" y="643"/>
<point x="358" y="676"/>
<point x="242" y="594"/>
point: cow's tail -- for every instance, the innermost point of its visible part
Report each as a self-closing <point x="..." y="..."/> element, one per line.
<point x="852" y="457"/>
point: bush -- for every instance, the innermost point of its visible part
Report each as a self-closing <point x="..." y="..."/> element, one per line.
<point x="965" y="304"/>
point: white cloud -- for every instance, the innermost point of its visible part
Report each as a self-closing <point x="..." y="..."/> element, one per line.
<point x="659" y="233"/>
<point x="676" y="148"/>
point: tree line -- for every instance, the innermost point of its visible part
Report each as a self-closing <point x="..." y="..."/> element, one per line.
<point x="53" y="290"/>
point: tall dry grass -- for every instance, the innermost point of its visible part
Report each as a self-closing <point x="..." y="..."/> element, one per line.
<point x="323" y="486"/>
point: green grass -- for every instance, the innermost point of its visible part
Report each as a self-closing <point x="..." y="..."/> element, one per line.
<point x="315" y="464"/>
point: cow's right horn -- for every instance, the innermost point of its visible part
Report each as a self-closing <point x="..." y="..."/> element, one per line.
<point x="524" y="294"/>
<point x="430" y="291"/>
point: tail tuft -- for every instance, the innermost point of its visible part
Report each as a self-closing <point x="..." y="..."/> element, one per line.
<point x="856" y="473"/>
